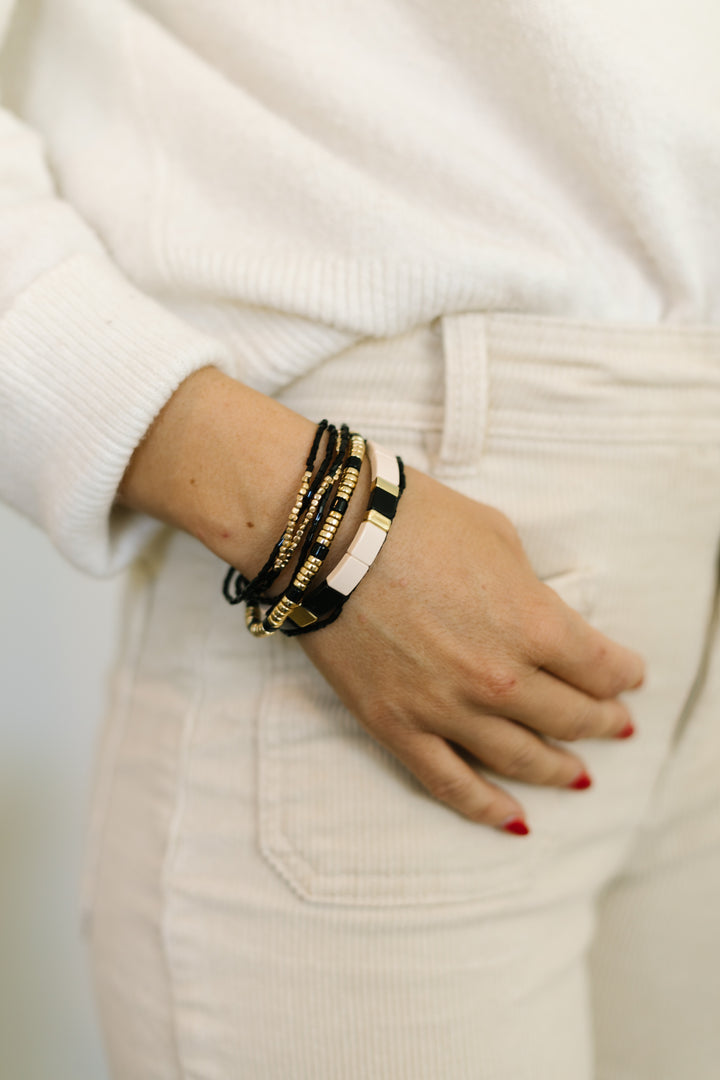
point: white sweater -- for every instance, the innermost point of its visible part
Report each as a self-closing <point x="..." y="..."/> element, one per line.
<point x="258" y="185"/>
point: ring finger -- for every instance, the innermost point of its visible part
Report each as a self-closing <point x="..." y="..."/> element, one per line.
<point x="511" y="750"/>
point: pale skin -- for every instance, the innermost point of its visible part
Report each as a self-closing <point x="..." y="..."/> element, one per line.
<point x="504" y="664"/>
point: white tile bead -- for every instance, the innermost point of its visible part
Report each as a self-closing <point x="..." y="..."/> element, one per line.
<point x="383" y="463"/>
<point x="348" y="573"/>
<point x="367" y="542"/>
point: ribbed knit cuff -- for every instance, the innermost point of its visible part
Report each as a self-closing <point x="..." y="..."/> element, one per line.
<point x="86" y="363"/>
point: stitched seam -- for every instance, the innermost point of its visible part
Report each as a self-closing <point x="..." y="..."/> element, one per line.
<point x="175" y="826"/>
<point x="566" y="327"/>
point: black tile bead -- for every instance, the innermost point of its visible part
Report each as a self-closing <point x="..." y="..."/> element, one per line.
<point x="319" y="551"/>
<point x="383" y="502"/>
<point x="324" y="600"/>
<point x="340" y="505"/>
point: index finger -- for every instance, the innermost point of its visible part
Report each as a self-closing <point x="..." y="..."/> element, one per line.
<point x="566" y="645"/>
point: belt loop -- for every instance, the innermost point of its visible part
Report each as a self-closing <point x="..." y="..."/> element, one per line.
<point x="464" y="338"/>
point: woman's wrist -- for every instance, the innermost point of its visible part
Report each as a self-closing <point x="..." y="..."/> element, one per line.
<point x="221" y="461"/>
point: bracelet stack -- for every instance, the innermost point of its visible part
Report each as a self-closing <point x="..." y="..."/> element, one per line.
<point x="319" y="507"/>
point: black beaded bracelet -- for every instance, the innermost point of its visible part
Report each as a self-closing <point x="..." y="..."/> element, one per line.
<point x="324" y="604"/>
<point x="244" y="588"/>
<point x="314" y="551"/>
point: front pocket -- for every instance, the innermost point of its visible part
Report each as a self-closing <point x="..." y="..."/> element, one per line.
<point x="344" y="822"/>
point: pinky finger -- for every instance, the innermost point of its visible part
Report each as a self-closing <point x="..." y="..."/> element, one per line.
<point x="450" y="780"/>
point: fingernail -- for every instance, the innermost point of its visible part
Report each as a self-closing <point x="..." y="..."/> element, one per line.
<point x="639" y="683"/>
<point x="581" y="781"/>
<point x="515" y="825"/>
<point x="626" y="732"/>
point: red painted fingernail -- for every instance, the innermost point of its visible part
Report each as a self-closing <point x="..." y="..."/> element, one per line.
<point x="626" y="732"/>
<point x="581" y="781"/>
<point x="515" y="825"/>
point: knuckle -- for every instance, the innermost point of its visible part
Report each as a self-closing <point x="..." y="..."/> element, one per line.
<point x="582" y="725"/>
<point x="385" y="715"/>
<point x="545" y="628"/>
<point x="498" y="684"/>
<point x="451" y="789"/>
<point x="599" y="655"/>
<point x="521" y="761"/>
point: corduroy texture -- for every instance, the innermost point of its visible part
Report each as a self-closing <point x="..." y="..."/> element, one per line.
<point x="270" y="895"/>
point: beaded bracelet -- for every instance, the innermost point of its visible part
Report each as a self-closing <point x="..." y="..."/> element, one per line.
<point x="313" y="558"/>
<point x="310" y="485"/>
<point x="323" y="606"/>
<point x="326" y="479"/>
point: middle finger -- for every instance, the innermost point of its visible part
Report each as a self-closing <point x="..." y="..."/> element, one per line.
<point x="553" y="707"/>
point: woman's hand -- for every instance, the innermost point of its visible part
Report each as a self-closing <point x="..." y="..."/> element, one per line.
<point x="451" y="641"/>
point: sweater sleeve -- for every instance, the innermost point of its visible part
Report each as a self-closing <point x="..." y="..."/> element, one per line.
<point x="87" y="361"/>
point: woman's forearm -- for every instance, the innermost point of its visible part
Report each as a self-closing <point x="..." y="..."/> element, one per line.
<point x="222" y="462"/>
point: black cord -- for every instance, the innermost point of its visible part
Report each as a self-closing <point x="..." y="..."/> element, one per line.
<point x="293" y="631"/>
<point x="245" y="589"/>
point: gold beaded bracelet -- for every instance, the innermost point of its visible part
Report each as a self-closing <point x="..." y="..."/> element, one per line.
<point x="294" y="532"/>
<point x="276" y="615"/>
<point x="387" y="483"/>
<point x="237" y="588"/>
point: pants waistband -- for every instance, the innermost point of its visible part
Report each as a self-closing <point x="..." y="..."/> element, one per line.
<point x="476" y="375"/>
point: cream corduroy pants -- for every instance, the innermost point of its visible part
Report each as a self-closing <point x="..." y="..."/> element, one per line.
<point x="271" y="896"/>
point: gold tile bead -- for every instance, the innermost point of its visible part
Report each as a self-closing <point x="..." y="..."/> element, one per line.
<point x="378" y="519"/>
<point x="302" y="617"/>
<point x="386" y="485"/>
